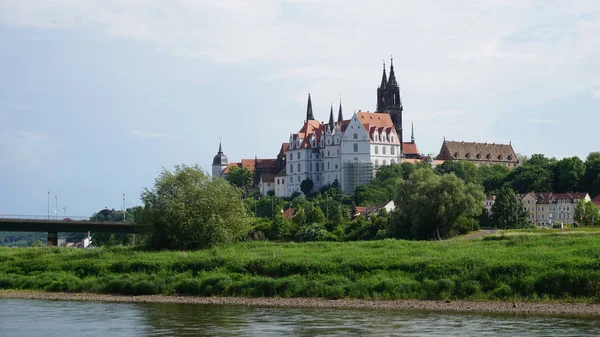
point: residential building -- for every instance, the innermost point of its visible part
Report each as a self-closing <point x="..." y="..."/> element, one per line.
<point x="280" y="184"/>
<point x="596" y="201"/>
<point x="479" y="153"/>
<point x="489" y="203"/>
<point x="267" y="183"/>
<point x="547" y="208"/>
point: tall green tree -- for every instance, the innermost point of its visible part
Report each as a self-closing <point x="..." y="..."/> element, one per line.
<point x="240" y="177"/>
<point x="465" y="170"/>
<point x="567" y="174"/>
<point x="429" y="206"/>
<point x="586" y="213"/>
<point x="493" y="177"/>
<point x="508" y="210"/>
<point x="590" y="182"/>
<point x="187" y="209"/>
<point x="306" y="186"/>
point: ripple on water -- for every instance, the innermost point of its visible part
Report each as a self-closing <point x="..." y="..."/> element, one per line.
<point x="66" y="319"/>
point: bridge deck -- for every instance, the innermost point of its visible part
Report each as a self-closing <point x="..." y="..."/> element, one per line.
<point x="34" y="225"/>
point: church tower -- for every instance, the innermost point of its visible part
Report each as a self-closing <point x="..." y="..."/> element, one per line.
<point x="220" y="162"/>
<point x="388" y="99"/>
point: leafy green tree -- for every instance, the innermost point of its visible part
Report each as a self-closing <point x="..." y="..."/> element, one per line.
<point x="590" y="182"/>
<point x="586" y="213"/>
<point x="493" y="177"/>
<point x="316" y="216"/>
<point x="240" y="177"/>
<point x="266" y="207"/>
<point x="370" y="195"/>
<point x="428" y="206"/>
<point x="187" y="209"/>
<point x="306" y="186"/>
<point x="530" y="178"/>
<point x="568" y="173"/>
<point x="281" y="228"/>
<point x="508" y="210"/>
<point x="407" y="170"/>
<point x="465" y="170"/>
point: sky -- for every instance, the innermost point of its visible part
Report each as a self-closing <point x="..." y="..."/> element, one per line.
<point x="97" y="97"/>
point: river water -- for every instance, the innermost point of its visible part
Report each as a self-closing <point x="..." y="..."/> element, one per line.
<point x="66" y="319"/>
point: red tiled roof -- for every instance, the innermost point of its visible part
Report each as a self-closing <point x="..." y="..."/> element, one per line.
<point x="289" y="213"/>
<point x="284" y="148"/>
<point x="261" y="163"/>
<point x="409" y="148"/>
<point x="267" y="178"/>
<point x="281" y="173"/>
<point x="226" y="170"/>
<point x="596" y="200"/>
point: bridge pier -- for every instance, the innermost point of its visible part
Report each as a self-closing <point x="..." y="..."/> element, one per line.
<point x="52" y="239"/>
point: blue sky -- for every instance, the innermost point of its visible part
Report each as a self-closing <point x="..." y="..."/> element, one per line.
<point x="97" y="97"/>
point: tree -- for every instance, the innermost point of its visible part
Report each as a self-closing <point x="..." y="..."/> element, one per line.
<point x="370" y="195"/>
<point x="586" y="213"/>
<point x="187" y="209"/>
<point x="465" y="170"/>
<point x="529" y="178"/>
<point x="493" y="177"/>
<point x="429" y="206"/>
<point x="590" y="182"/>
<point x="508" y="210"/>
<point x="240" y="177"/>
<point x="306" y="186"/>
<point x="567" y="174"/>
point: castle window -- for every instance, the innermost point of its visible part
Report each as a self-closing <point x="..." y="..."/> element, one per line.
<point x="384" y="162"/>
<point x="510" y="157"/>
<point x="317" y="167"/>
<point x="338" y="152"/>
<point x="376" y="163"/>
<point x="355" y="136"/>
<point x="376" y="149"/>
<point x="393" y="161"/>
<point x="298" y="155"/>
<point x="299" y="168"/>
<point x="291" y="168"/>
<point x="383" y="137"/>
<point x="299" y="178"/>
<point x="455" y="154"/>
<point x="328" y="165"/>
<point x="355" y="147"/>
<point x="468" y="155"/>
<point x="488" y="156"/>
<point x="392" y="149"/>
<point x="478" y="155"/>
<point x="376" y="136"/>
<point x="383" y="150"/>
<point x="336" y="166"/>
<point x="392" y="137"/>
<point x="310" y="167"/>
<point x="282" y="180"/>
<point x="500" y="157"/>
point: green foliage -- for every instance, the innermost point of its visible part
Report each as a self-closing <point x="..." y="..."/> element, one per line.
<point x="465" y="170"/>
<point x="517" y="265"/>
<point x="428" y="206"/>
<point x="586" y="214"/>
<point x="567" y="174"/>
<point x="508" y="210"/>
<point x="306" y="186"/>
<point x="240" y="177"/>
<point x="187" y="209"/>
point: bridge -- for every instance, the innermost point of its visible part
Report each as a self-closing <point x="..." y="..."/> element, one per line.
<point x="53" y="225"/>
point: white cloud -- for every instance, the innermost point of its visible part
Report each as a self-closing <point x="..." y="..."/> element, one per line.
<point x="149" y="135"/>
<point x="453" y="59"/>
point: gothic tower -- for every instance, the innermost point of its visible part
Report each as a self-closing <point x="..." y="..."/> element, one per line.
<point x="388" y="99"/>
<point x="220" y="162"/>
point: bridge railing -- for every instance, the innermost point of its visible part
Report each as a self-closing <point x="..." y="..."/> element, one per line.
<point x="42" y="217"/>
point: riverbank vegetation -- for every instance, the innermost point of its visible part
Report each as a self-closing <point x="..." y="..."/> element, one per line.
<point x="533" y="265"/>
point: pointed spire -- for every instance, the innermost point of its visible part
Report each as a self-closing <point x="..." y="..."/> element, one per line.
<point x="220" y="149"/>
<point x="340" y="115"/>
<point x="392" y="82"/>
<point x="383" y="78"/>
<point x="331" y="118"/>
<point x="309" y="112"/>
<point x="412" y="132"/>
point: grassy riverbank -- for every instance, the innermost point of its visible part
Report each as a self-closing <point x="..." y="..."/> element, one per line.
<point x="545" y="265"/>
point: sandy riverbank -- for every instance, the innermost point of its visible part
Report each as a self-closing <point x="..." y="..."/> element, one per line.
<point x="587" y="309"/>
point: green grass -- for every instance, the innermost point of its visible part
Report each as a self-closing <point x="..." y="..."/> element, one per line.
<point x="530" y="265"/>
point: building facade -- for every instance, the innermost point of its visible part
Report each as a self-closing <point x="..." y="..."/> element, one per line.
<point x="479" y="154"/>
<point x="549" y="208"/>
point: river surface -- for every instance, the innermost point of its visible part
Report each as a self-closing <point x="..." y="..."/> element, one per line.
<point x="66" y="319"/>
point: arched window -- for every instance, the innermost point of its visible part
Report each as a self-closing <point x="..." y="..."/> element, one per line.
<point x="291" y="168"/>
<point x="391" y="137"/>
<point x="328" y="165"/>
<point x="355" y="147"/>
<point x="376" y="162"/>
<point x="383" y="137"/>
<point x="298" y="155"/>
<point x="299" y="168"/>
<point x="392" y="150"/>
<point x="376" y="136"/>
<point x="355" y="135"/>
<point x="383" y="150"/>
<point x="376" y="149"/>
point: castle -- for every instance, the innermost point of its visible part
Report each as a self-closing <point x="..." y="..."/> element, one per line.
<point x="343" y="151"/>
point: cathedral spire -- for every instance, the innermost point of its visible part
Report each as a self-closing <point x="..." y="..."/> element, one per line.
<point x="392" y="82"/>
<point x="220" y="149"/>
<point x="331" y="118"/>
<point x="309" y="112"/>
<point x="340" y="116"/>
<point x="412" y="132"/>
<point x="383" y="78"/>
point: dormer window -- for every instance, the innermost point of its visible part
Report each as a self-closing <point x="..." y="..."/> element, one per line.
<point x="355" y="136"/>
<point x="510" y="157"/>
<point x="478" y="155"/>
<point x="468" y="155"/>
<point x="383" y="136"/>
<point x="456" y="155"/>
<point x="391" y="137"/>
<point x="500" y="157"/>
<point x="376" y="137"/>
<point x="488" y="156"/>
